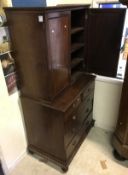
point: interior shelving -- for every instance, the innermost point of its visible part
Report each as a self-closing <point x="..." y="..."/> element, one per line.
<point x="76" y="46"/>
<point x="76" y="30"/>
<point x="76" y="61"/>
<point x="77" y="42"/>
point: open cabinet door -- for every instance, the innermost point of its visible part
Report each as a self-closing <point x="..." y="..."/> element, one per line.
<point x="105" y="27"/>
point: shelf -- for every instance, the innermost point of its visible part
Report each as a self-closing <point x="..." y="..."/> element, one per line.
<point x="77" y="29"/>
<point x="76" y="46"/>
<point x="76" y="61"/>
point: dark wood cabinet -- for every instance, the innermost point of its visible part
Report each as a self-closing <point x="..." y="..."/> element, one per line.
<point x="56" y="130"/>
<point x="55" y="49"/>
<point x="104" y="38"/>
<point x="120" y="138"/>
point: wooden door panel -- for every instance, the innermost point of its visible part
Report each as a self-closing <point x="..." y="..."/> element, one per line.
<point x="105" y="28"/>
<point x="122" y="123"/>
<point x="58" y="54"/>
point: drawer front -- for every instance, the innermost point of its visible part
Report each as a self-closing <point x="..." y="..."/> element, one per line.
<point x="75" y="120"/>
<point x="73" y="108"/>
<point x="78" y="113"/>
<point x="88" y="90"/>
<point x="77" y="140"/>
<point x="85" y="108"/>
<point x="71" y="128"/>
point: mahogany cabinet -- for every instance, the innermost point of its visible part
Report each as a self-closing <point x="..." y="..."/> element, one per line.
<point x="55" y="131"/>
<point x="55" y="50"/>
<point x="120" y="136"/>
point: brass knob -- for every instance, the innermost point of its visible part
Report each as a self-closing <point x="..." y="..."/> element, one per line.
<point x="121" y="123"/>
<point x="53" y="31"/>
<point x="74" y="117"/>
<point x="65" y="26"/>
<point x="78" y="99"/>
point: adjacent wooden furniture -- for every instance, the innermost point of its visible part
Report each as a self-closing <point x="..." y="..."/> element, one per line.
<point x="120" y="137"/>
<point x="55" y="49"/>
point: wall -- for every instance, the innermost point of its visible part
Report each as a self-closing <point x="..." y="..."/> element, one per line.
<point x="12" y="136"/>
<point x="106" y="102"/>
<point x="55" y="2"/>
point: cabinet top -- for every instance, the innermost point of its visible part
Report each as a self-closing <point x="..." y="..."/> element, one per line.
<point x="50" y="8"/>
<point x="70" y="94"/>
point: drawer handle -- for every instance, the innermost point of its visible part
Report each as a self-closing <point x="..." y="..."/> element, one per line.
<point x="75" y="104"/>
<point x="78" y="99"/>
<point x="53" y="31"/>
<point x="121" y="123"/>
<point x="74" y="117"/>
<point x="65" y="26"/>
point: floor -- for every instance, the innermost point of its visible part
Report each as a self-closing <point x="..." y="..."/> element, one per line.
<point x="93" y="158"/>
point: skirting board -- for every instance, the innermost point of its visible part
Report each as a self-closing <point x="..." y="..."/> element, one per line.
<point x="104" y="127"/>
<point x="10" y="167"/>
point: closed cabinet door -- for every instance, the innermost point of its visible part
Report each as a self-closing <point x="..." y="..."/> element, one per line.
<point x="58" y="51"/>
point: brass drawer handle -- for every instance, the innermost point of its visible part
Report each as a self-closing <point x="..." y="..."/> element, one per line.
<point x="75" y="103"/>
<point x="121" y="123"/>
<point x="74" y="117"/>
<point x="53" y="31"/>
<point x="78" y="99"/>
<point x="65" y="26"/>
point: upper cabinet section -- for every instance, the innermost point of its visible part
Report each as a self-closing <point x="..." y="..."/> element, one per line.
<point x="54" y="45"/>
<point x="41" y="39"/>
<point x="105" y="28"/>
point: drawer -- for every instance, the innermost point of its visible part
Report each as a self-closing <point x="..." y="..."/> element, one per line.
<point x="78" y="138"/>
<point x="85" y="108"/>
<point x="71" y="127"/>
<point x="73" y="107"/>
<point x="75" y="120"/>
<point x="88" y="90"/>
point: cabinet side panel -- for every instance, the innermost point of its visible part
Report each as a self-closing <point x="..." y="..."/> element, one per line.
<point x="44" y="128"/>
<point x="28" y="44"/>
<point x="122" y="124"/>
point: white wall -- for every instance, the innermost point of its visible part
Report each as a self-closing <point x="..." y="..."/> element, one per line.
<point x="12" y="137"/>
<point x="55" y="2"/>
<point x="106" y="102"/>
